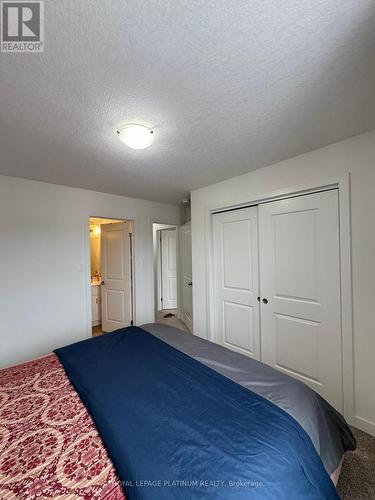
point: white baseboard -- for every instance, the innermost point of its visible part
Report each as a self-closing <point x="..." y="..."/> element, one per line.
<point x="364" y="425"/>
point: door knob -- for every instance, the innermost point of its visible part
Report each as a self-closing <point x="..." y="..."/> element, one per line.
<point x="265" y="301"/>
<point x="258" y="299"/>
<point x="102" y="283"/>
<point x="190" y="283"/>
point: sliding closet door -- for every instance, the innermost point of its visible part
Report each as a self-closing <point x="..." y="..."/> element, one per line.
<point x="300" y="279"/>
<point x="236" y="276"/>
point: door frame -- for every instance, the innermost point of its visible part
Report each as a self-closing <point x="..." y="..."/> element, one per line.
<point x="158" y="284"/>
<point x="86" y="268"/>
<point x="342" y="184"/>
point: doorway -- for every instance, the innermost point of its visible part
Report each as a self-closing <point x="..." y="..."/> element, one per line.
<point x="186" y="276"/>
<point x="111" y="264"/>
<point x="166" y="275"/>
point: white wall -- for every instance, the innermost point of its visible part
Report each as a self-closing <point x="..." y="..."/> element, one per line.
<point x="357" y="156"/>
<point x="44" y="262"/>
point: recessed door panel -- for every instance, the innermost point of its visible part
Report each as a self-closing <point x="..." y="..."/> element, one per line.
<point x="235" y="249"/>
<point x="236" y="242"/>
<point x="115" y="305"/>
<point x="300" y="280"/>
<point x="295" y="239"/>
<point x="297" y="347"/>
<point x="238" y="327"/>
<point x="114" y="242"/>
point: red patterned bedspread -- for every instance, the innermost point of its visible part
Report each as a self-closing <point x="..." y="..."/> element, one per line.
<point x="49" y="446"/>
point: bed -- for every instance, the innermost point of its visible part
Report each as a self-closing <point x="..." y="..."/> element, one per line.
<point x="50" y="446"/>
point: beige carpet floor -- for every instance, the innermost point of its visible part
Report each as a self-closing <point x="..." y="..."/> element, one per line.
<point x="357" y="478"/>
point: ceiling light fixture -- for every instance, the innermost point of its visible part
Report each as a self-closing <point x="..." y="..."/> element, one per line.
<point x="135" y="136"/>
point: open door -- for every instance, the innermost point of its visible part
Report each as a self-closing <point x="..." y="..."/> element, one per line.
<point x="187" y="282"/>
<point x="168" y="239"/>
<point x="116" y="273"/>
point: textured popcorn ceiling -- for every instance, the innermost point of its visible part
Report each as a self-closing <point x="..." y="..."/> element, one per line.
<point x="229" y="85"/>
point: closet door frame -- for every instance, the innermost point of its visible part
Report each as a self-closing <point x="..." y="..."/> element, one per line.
<point x="342" y="183"/>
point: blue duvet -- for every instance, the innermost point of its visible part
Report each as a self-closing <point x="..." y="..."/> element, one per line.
<point x="175" y="429"/>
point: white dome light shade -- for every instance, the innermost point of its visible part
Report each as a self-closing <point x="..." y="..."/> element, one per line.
<point x="136" y="136"/>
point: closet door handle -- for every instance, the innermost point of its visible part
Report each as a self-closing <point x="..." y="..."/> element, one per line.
<point x="265" y="301"/>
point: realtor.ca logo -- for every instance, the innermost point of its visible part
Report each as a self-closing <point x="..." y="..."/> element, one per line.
<point x="22" y="26"/>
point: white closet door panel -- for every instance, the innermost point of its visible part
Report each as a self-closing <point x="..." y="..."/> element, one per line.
<point x="300" y="278"/>
<point x="238" y="322"/>
<point x="236" y="277"/>
<point x="236" y="252"/>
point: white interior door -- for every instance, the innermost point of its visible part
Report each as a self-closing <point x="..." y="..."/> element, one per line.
<point x="187" y="281"/>
<point x="169" y="268"/>
<point x="115" y="264"/>
<point x="236" y="275"/>
<point x="300" y="279"/>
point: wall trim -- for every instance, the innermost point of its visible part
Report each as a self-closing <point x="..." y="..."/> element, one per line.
<point x="364" y="424"/>
<point x="342" y="183"/>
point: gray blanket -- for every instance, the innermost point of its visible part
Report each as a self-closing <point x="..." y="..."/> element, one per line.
<point x="327" y="429"/>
